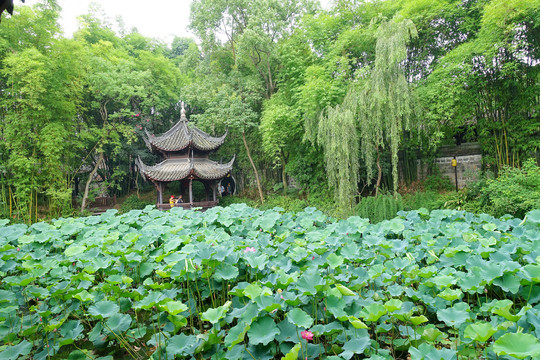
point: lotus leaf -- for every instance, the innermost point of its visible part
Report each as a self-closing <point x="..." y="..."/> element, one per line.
<point x="300" y="318"/>
<point x="236" y="334"/>
<point x="263" y="331"/>
<point x="181" y="345"/>
<point x="215" y="315"/>
<point x="373" y="312"/>
<point x="14" y="352"/>
<point x="480" y="331"/>
<point x="518" y="345"/>
<point x="454" y="316"/>
<point x="118" y="323"/>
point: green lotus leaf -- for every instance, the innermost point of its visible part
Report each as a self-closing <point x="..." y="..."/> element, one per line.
<point x="393" y="305"/>
<point x="300" y="318"/>
<point x="267" y="303"/>
<point x="473" y="281"/>
<point x="336" y="307"/>
<point x="56" y="323"/>
<point x="532" y="271"/>
<point x="508" y="282"/>
<point x="7" y="296"/>
<point x="334" y="260"/>
<point x="74" y="250"/>
<point x="357" y="346"/>
<point x="293" y="353"/>
<point x="450" y="294"/>
<point x="257" y="262"/>
<point x="268" y="221"/>
<point x="490" y="271"/>
<point x="182" y="345"/>
<point x="518" y="345"/>
<point x="236" y="334"/>
<point x="480" y="331"/>
<point x="77" y="355"/>
<point x="345" y="290"/>
<point x="357" y="323"/>
<point x="172" y="244"/>
<point x="153" y="298"/>
<point x="226" y="271"/>
<point x="373" y="312"/>
<point x="310" y="282"/>
<point x="103" y="309"/>
<point x="417" y="320"/>
<point x="71" y="331"/>
<point x="178" y="321"/>
<point x="454" y="316"/>
<point x="263" y="331"/>
<point x="328" y="329"/>
<point x="502" y="308"/>
<point x="429" y="352"/>
<point x="253" y="290"/>
<point x="533" y="217"/>
<point x="119" y="323"/>
<point x="214" y="315"/>
<point x="444" y="281"/>
<point x="173" y="307"/>
<point x="431" y="333"/>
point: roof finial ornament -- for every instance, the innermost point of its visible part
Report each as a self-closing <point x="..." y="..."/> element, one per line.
<point x="183" y="113"/>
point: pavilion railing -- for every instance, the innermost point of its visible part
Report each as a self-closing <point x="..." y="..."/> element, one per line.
<point x="200" y="204"/>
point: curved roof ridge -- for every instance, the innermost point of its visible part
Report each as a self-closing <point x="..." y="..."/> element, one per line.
<point x="203" y="141"/>
<point x="211" y="170"/>
<point x="181" y="135"/>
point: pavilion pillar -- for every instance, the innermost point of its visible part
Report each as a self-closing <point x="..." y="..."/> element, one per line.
<point x="214" y="185"/>
<point x="191" y="191"/>
<point x="207" y="190"/>
<point x="160" y="193"/>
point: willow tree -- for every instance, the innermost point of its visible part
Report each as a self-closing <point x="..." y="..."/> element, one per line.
<point x="385" y="102"/>
<point x="338" y="136"/>
<point x="371" y="118"/>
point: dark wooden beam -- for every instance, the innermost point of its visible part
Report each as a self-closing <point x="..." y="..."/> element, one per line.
<point x="6" y="5"/>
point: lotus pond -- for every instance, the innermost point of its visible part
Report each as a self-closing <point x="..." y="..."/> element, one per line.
<point x="240" y="283"/>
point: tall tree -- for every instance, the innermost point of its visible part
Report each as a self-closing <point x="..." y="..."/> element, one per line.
<point x="385" y="102"/>
<point x="371" y="117"/>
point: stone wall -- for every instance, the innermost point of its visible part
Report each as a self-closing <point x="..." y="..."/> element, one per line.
<point x="469" y="163"/>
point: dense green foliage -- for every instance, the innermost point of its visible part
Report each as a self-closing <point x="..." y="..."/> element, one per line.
<point x="515" y="191"/>
<point x="380" y="207"/>
<point x="320" y="96"/>
<point x="237" y="283"/>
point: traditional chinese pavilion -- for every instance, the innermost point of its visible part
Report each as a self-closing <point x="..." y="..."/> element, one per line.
<point x="185" y="150"/>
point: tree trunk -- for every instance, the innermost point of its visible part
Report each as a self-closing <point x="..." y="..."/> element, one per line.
<point x="90" y="177"/>
<point x="254" y="168"/>
<point x="283" y="173"/>
<point x="379" y="173"/>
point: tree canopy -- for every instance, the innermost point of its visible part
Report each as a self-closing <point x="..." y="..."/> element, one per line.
<point x="331" y="99"/>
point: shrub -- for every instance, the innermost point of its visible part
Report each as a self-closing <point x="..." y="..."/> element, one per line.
<point x="134" y="203"/>
<point x="288" y="203"/>
<point x="429" y="200"/>
<point x="515" y="191"/>
<point x="437" y="182"/>
<point x="379" y="208"/>
<point x="229" y="200"/>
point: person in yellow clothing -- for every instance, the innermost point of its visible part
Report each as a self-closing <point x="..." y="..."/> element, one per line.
<point x="172" y="201"/>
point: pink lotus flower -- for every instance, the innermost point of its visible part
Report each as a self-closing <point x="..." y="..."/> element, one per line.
<point x="307" y="335"/>
<point x="137" y="115"/>
<point x="249" y="249"/>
